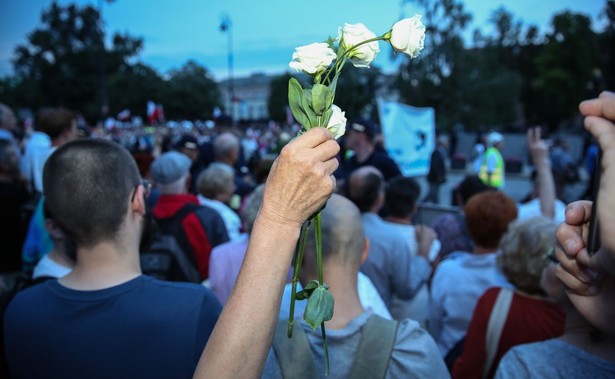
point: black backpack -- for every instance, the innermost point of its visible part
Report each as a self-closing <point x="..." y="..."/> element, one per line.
<point x="170" y="256"/>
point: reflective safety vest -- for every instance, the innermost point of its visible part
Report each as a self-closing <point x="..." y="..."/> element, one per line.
<point x="496" y="179"/>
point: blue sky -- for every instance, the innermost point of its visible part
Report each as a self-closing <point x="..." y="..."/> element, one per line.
<point x="264" y="32"/>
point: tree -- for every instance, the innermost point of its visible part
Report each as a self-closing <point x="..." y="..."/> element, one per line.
<point x="565" y="68"/>
<point x="190" y="93"/>
<point x="356" y="91"/>
<point x="278" y="97"/>
<point x="61" y="64"/>
<point x="433" y="80"/>
<point x="132" y="86"/>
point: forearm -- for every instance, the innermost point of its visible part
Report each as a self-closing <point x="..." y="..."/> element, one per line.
<point x="239" y="344"/>
<point x="546" y="188"/>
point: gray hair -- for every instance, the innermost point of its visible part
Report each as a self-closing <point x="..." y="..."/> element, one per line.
<point x="250" y="208"/>
<point x="524" y="247"/>
<point x="173" y="188"/>
<point x="215" y="179"/>
<point x="225" y="144"/>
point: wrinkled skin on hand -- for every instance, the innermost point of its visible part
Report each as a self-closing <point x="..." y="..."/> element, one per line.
<point x="301" y="180"/>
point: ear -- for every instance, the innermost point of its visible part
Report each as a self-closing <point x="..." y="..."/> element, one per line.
<point x="138" y="203"/>
<point x="53" y="230"/>
<point x="365" y="252"/>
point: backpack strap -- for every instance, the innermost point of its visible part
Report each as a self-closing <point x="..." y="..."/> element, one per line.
<point x="497" y="319"/>
<point x="375" y="348"/>
<point x="172" y="225"/>
<point x="294" y="354"/>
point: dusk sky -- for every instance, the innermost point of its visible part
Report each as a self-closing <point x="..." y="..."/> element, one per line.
<point x="264" y="32"/>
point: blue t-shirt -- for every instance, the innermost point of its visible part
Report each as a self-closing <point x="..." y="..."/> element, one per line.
<point x="144" y="328"/>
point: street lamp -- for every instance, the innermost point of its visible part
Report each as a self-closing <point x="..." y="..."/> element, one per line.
<point x="226" y="27"/>
<point x="102" y="63"/>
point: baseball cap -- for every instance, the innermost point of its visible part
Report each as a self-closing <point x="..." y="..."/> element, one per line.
<point x="187" y="141"/>
<point x="170" y="167"/>
<point x="494" y="138"/>
<point x="363" y="126"/>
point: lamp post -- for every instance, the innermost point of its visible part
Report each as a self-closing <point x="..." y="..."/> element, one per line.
<point x="226" y="27"/>
<point x="102" y="63"/>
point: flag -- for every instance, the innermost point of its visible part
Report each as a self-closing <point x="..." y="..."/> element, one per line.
<point x="409" y="136"/>
<point x="124" y="115"/>
<point x="151" y="112"/>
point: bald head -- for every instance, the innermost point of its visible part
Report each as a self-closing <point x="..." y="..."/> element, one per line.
<point x="343" y="238"/>
<point x="364" y="187"/>
<point x="226" y="148"/>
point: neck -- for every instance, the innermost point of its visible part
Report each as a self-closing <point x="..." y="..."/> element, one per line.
<point x="578" y="332"/>
<point x="483" y="250"/>
<point x="102" y="266"/>
<point x="399" y="220"/>
<point x="342" y="282"/>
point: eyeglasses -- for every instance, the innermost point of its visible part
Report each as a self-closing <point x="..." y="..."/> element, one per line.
<point x="147" y="187"/>
<point x="550" y="256"/>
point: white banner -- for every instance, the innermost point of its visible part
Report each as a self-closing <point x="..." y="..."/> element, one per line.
<point x="409" y="136"/>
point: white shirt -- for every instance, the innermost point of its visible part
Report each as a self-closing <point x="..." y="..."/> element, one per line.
<point x="230" y="218"/>
<point x="532" y="209"/>
<point x="460" y="280"/>
<point x="368" y="296"/>
<point x="37" y="150"/>
<point x="48" y="267"/>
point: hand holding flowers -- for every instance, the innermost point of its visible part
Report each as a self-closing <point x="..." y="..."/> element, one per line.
<point x="314" y="107"/>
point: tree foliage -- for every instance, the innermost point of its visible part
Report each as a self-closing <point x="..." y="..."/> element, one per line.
<point x="190" y="93"/>
<point x="278" y="97"/>
<point x="512" y="77"/>
<point x="66" y="63"/>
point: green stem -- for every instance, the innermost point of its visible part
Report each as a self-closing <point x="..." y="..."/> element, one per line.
<point x="299" y="249"/>
<point x="341" y="60"/>
<point x="324" y="343"/>
<point x="318" y="235"/>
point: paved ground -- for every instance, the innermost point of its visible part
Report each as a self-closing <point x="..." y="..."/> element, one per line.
<point x="517" y="186"/>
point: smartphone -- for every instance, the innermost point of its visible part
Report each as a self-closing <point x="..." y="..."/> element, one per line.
<point x="593" y="239"/>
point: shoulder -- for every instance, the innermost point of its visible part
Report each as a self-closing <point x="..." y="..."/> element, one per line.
<point x="520" y="360"/>
<point x="178" y="292"/>
<point x="415" y="353"/>
<point x="25" y="297"/>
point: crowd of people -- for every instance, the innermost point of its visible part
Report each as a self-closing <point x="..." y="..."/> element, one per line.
<point x="153" y="252"/>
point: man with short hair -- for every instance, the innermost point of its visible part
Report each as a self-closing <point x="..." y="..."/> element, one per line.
<point x="401" y="199"/>
<point x="437" y="170"/>
<point x="105" y="319"/>
<point x="392" y="265"/>
<point x="56" y="126"/>
<point x="359" y="138"/>
<point x="202" y="228"/>
<point x="396" y="350"/>
<point x="59" y="126"/>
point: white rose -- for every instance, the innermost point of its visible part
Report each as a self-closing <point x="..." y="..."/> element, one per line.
<point x="408" y="36"/>
<point x="312" y="58"/>
<point x="353" y="34"/>
<point x="337" y="123"/>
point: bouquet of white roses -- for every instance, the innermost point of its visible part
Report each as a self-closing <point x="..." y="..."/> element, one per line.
<point x="313" y="107"/>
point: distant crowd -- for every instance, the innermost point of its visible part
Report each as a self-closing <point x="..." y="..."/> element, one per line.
<point x="126" y="249"/>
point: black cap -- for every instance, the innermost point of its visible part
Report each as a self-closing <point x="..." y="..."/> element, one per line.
<point x="187" y="141"/>
<point x="364" y="126"/>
